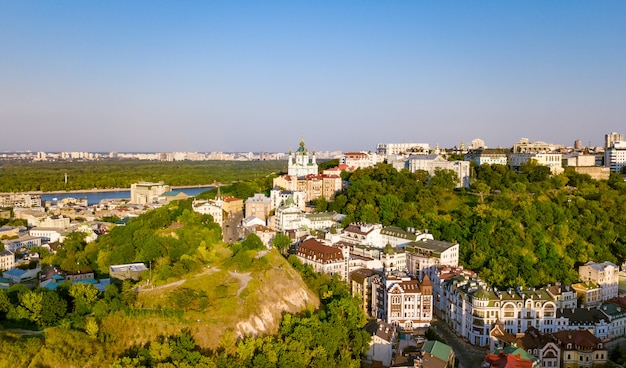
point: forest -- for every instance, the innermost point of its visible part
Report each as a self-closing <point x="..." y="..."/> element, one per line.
<point x="18" y="176"/>
<point x="527" y="228"/>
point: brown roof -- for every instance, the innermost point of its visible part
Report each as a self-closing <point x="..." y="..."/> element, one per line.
<point x="313" y="248"/>
<point x="580" y="339"/>
<point x="361" y="274"/>
<point x="534" y="339"/>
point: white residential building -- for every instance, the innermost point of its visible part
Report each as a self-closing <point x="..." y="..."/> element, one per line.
<point x="615" y="156"/>
<point x="432" y="163"/>
<point x="552" y="160"/>
<point x="426" y="255"/>
<point x="360" y="160"/>
<point x="47" y="235"/>
<point x="279" y="197"/>
<point x="391" y="149"/>
<point x="210" y="207"/>
<point x="402" y="301"/>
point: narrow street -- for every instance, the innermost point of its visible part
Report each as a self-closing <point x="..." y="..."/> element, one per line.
<point x="467" y="355"/>
<point x="230" y="231"/>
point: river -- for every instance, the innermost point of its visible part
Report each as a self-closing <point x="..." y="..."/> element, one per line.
<point x="94" y="197"/>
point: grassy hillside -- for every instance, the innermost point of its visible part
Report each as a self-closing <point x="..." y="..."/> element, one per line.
<point x="213" y="302"/>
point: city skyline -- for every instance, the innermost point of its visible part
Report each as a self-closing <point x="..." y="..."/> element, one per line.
<point x="258" y="76"/>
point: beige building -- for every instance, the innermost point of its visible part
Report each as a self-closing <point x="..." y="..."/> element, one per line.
<point x="586" y="164"/>
<point x="7" y="260"/>
<point x="589" y="293"/>
<point x="258" y="206"/>
<point x="147" y="192"/>
<point x="232" y="205"/>
<point x="605" y="274"/>
<point x="324" y="258"/>
<point x="526" y="146"/>
<point x="314" y="186"/>
<point x="20" y="200"/>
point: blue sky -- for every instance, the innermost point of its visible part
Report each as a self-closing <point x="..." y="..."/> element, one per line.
<point x="346" y="75"/>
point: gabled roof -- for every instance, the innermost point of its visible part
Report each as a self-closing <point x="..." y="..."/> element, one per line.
<point x="534" y="339"/>
<point x="406" y="286"/>
<point x="437" y="349"/>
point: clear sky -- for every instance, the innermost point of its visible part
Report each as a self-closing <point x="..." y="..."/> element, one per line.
<point x="258" y="75"/>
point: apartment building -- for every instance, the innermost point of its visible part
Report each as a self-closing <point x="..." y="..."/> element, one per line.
<point x="402" y="301"/>
<point x="605" y="275"/>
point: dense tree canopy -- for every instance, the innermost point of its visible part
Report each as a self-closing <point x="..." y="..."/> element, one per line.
<point x="523" y="228"/>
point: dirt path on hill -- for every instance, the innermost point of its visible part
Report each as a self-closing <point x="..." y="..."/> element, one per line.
<point x="244" y="279"/>
<point x="148" y="288"/>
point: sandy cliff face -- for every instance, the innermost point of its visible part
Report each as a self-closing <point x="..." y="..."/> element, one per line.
<point x="290" y="296"/>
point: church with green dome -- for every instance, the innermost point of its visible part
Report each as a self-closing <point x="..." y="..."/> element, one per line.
<point x="301" y="163"/>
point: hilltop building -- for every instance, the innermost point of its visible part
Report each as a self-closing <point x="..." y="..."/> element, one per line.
<point x="301" y="163"/>
<point x="359" y="160"/>
<point x="432" y="163"/>
<point x="491" y="156"/>
<point x="392" y="149"/>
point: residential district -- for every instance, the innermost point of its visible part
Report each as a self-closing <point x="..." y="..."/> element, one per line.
<point x="405" y="278"/>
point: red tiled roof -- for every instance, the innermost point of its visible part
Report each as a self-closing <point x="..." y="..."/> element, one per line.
<point x="507" y="361"/>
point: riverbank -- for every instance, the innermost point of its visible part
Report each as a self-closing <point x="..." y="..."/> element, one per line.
<point x="107" y="190"/>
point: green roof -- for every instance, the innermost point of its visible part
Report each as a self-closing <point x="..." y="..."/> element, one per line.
<point x="437" y="349"/>
<point x="514" y="350"/>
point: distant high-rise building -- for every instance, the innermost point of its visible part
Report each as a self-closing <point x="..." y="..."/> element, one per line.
<point x="612" y="137"/>
<point x="615" y="156"/>
<point x="578" y="144"/>
<point x="477" y="143"/>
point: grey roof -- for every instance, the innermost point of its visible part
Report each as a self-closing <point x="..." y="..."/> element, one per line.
<point x="436" y="247"/>
<point x="581" y="315"/>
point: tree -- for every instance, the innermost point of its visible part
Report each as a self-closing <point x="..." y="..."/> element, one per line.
<point x="252" y="242"/>
<point x="482" y="189"/>
<point x="444" y="179"/>
<point x="282" y="242"/>
<point x="91" y="327"/>
<point x="85" y="295"/>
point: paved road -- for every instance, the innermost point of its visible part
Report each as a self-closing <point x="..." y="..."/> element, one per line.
<point x="230" y="231"/>
<point x="467" y="355"/>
